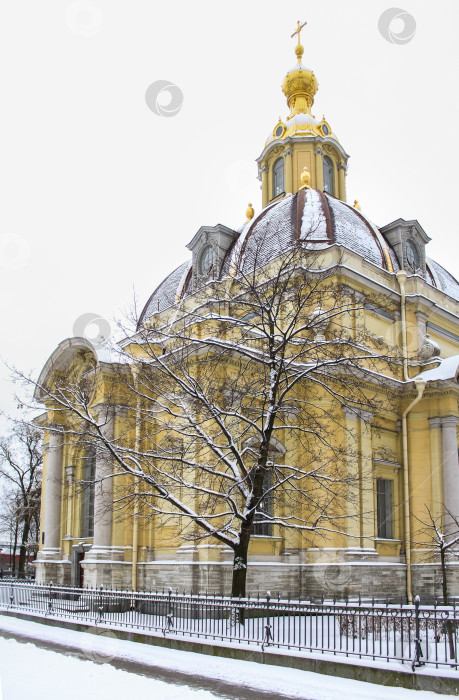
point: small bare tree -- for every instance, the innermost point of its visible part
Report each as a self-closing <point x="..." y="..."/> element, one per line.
<point x="438" y="535"/>
<point x="21" y="470"/>
<point x="232" y="404"/>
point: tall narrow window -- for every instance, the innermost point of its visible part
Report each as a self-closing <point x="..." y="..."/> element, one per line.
<point x="328" y="176"/>
<point x="87" y="505"/>
<point x="278" y="177"/>
<point x="266" y="506"/>
<point x="384" y="508"/>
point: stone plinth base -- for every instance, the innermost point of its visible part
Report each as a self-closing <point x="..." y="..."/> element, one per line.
<point x="105" y="566"/>
<point x="210" y="569"/>
<point x="50" y="567"/>
<point x="341" y="579"/>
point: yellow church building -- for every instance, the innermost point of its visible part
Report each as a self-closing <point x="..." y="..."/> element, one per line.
<point x="298" y="375"/>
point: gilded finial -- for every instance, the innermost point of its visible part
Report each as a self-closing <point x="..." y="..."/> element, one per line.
<point x="357" y="205"/>
<point x="305" y="178"/>
<point x="300" y="84"/>
<point x="249" y="212"/>
<point x="299" y="50"/>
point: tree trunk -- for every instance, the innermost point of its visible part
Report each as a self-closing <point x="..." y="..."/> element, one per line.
<point x="449" y="626"/>
<point x="239" y="571"/>
<point x="23" y="548"/>
<point x="15" y="544"/>
<point x="240" y="560"/>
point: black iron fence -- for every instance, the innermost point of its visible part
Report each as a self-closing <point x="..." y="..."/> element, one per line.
<point x="410" y="634"/>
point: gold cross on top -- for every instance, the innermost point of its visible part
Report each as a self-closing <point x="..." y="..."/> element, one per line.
<point x="298" y="30"/>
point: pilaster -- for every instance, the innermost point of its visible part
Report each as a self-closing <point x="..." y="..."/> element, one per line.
<point x="436" y="474"/>
<point x="360" y="496"/>
<point x="342" y="181"/>
<point x="319" y="169"/>
<point x="450" y="467"/>
<point x="288" y="170"/>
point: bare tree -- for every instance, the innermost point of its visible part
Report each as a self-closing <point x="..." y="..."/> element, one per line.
<point x="21" y="470"/>
<point x="438" y="535"/>
<point x="217" y="388"/>
<point x="9" y="524"/>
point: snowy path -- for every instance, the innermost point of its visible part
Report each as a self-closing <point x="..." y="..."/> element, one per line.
<point x="27" y="671"/>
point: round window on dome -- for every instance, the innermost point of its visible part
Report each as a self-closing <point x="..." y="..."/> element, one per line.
<point x="279" y="130"/>
<point x="325" y="129"/>
<point x="206" y="260"/>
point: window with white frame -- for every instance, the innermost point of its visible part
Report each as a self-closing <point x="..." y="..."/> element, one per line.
<point x="329" y="185"/>
<point x="265" y="507"/>
<point x="384" y="499"/>
<point x="278" y="177"/>
<point x="87" y="494"/>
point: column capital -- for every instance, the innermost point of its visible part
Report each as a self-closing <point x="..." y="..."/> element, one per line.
<point x="342" y="166"/>
<point x="318" y="152"/>
<point x="449" y="421"/>
<point x="288" y="152"/>
<point x="354" y="413"/>
<point x="55" y="430"/>
<point x="105" y="412"/>
<point x="366" y="416"/>
<point x="435" y="423"/>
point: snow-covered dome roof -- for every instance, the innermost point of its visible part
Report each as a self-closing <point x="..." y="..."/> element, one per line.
<point x="312" y="216"/>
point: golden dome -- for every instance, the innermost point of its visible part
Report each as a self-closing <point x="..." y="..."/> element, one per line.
<point x="299" y="86"/>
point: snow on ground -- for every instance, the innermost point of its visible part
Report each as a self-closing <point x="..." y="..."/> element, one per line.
<point x="27" y="671"/>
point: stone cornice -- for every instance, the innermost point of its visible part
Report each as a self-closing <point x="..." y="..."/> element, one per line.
<point x="321" y="140"/>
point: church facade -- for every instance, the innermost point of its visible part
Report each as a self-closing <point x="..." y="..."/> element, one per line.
<point x="393" y="423"/>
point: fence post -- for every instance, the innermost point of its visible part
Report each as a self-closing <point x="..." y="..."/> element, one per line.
<point x="268" y="636"/>
<point x="417" y="640"/>
<point x="50" y="601"/>
<point x="101" y="605"/>
<point x="170" y="616"/>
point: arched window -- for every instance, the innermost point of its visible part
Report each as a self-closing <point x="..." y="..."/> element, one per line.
<point x="87" y="500"/>
<point x="412" y="257"/>
<point x="278" y="177"/>
<point x="328" y="176"/>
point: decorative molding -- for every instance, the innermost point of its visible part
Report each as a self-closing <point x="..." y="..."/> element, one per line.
<point x="429" y="350"/>
<point x="385" y="463"/>
<point x="442" y="331"/>
<point x="385" y="454"/>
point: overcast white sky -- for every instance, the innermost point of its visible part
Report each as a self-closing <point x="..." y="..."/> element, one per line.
<point x="100" y="195"/>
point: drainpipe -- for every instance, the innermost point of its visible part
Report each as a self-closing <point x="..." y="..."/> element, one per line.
<point x="420" y="386"/>
<point x="401" y="279"/>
